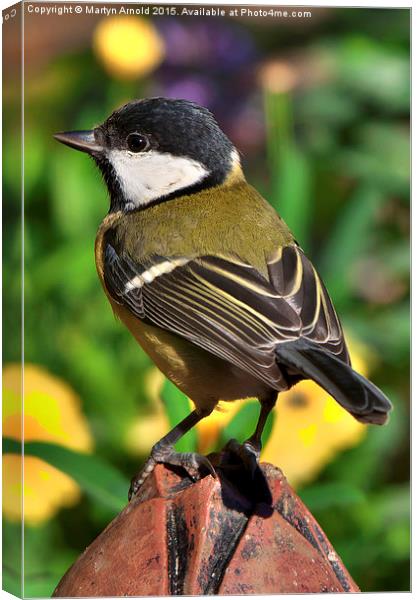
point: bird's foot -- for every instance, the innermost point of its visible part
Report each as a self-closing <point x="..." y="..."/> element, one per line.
<point x="191" y="462"/>
<point x="249" y="453"/>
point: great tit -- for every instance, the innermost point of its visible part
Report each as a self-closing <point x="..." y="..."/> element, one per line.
<point x="206" y="275"/>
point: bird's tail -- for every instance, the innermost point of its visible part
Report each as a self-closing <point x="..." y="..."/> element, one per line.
<point x="352" y="391"/>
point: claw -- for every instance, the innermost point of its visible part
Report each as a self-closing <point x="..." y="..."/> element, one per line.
<point x="206" y="463"/>
<point x="248" y="454"/>
<point x="140" y="477"/>
<point x="191" y="462"/>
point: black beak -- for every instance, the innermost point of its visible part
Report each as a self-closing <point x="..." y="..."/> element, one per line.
<point x="80" y="140"/>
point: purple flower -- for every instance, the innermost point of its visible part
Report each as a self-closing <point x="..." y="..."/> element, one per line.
<point x="206" y="43"/>
<point x="191" y="87"/>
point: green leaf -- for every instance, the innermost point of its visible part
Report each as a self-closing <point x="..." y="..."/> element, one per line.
<point x="365" y="466"/>
<point x="98" y="479"/>
<point x="326" y="106"/>
<point x="365" y="66"/>
<point x="47" y="556"/>
<point x="12" y="164"/>
<point x="381" y="157"/>
<point x="12" y="560"/>
<point x="290" y="172"/>
<point x="376" y="330"/>
<point x="69" y="271"/>
<point x="393" y="505"/>
<point x="293" y="194"/>
<point x="11" y="582"/>
<point x="177" y="408"/>
<point x="78" y="206"/>
<point x="326" y="496"/>
<point x="348" y="240"/>
<point x="41" y="585"/>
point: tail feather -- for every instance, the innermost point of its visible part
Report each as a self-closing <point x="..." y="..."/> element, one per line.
<point x="350" y="389"/>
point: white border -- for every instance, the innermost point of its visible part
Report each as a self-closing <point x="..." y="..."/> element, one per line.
<point x="4" y="4"/>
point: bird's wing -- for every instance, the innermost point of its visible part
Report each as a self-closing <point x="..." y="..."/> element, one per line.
<point x="226" y="306"/>
<point x="295" y="279"/>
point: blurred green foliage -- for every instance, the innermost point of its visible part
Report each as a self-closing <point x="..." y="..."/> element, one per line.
<point x="336" y="168"/>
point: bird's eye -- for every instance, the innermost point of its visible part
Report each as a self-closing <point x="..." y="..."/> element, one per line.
<point x="136" y="142"/>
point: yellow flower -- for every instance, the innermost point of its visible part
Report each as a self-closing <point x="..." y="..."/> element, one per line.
<point x="52" y="413"/>
<point x="128" y="47"/>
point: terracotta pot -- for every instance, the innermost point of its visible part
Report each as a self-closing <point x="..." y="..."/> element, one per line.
<point x="231" y="535"/>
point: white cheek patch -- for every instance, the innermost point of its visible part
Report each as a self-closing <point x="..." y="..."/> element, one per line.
<point x="235" y="158"/>
<point x="148" y="176"/>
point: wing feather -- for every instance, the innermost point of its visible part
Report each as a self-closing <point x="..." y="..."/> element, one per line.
<point x="227" y="307"/>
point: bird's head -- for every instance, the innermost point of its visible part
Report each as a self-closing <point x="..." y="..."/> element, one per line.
<point x="155" y="149"/>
